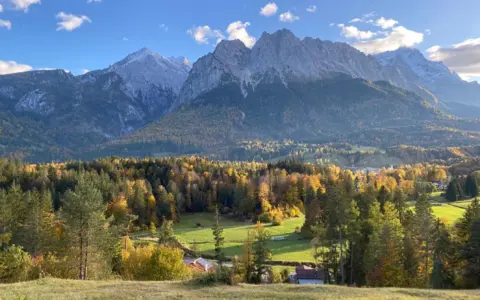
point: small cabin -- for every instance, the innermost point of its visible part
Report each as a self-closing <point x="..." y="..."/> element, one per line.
<point x="308" y="275"/>
<point x="199" y="264"/>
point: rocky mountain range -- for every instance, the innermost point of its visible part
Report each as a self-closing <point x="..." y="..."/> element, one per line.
<point x="284" y="87"/>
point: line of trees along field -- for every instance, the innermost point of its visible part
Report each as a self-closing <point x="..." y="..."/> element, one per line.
<point x="73" y="220"/>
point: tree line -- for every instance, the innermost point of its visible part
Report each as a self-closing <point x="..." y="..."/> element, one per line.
<point x="74" y="219"/>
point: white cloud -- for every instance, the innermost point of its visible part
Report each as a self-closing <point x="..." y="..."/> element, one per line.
<point x="205" y="34"/>
<point x="10" y="67"/>
<point x="288" y="17"/>
<point x="463" y="58"/>
<point x="398" y="37"/>
<point x="353" y="32"/>
<point x="163" y="27"/>
<point x="23" y="4"/>
<point x="70" y="22"/>
<point x="125" y="39"/>
<point x="94" y="1"/>
<point x="52" y="69"/>
<point x="269" y="10"/>
<point x="366" y="18"/>
<point x="386" y="23"/>
<point x="312" y="8"/>
<point x="428" y="31"/>
<point x="1" y="8"/>
<point x="5" y="23"/>
<point x="238" y="31"/>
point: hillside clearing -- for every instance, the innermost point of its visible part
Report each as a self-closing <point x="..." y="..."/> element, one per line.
<point x="289" y="246"/>
<point x="53" y="289"/>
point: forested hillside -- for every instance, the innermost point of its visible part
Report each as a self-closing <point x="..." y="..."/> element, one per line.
<point x="341" y="110"/>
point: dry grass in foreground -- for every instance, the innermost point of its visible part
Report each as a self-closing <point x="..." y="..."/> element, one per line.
<point x="53" y="289"/>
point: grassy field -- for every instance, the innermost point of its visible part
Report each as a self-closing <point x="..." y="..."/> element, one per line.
<point x="56" y="289"/>
<point x="291" y="248"/>
<point x="464" y="203"/>
<point x="448" y="213"/>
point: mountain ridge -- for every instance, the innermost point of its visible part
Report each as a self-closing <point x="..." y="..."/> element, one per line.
<point x="281" y="79"/>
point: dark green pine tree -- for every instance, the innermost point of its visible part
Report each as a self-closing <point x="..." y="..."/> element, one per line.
<point x="400" y="202"/>
<point x="219" y="239"/>
<point x="139" y="205"/>
<point x="384" y="196"/>
<point x="38" y="231"/>
<point x="464" y="225"/>
<point x="313" y="217"/>
<point x="261" y="253"/>
<point x="471" y="254"/>
<point x="444" y="259"/>
<point x="424" y="222"/>
<point x="166" y="235"/>
<point x="86" y="232"/>
<point x="453" y="194"/>
<point x="471" y="186"/>
<point x="410" y="260"/>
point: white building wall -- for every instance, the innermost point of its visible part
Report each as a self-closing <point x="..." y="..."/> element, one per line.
<point x="310" y="281"/>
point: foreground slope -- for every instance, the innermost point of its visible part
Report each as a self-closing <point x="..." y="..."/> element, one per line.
<point x="53" y="289"/>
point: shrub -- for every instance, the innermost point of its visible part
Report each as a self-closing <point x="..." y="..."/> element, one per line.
<point x="15" y="264"/>
<point x="154" y="262"/>
<point x="277" y="222"/>
<point x="285" y="276"/>
<point x="276" y="277"/>
<point x="206" y="279"/>
<point x="53" y="266"/>
<point x="264" y="218"/>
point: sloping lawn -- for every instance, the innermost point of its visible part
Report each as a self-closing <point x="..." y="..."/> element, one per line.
<point x="56" y="289"/>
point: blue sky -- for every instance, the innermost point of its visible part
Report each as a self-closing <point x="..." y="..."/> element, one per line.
<point x="96" y="34"/>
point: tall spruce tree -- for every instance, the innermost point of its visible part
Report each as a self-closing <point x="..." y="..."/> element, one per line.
<point x="453" y="190"/>
<point x="444" y="258"/>
<point x="471" y="186"/>
<point x="400" y="202"/>
<point x="424" y="222"/>
<point x="383" y="255"/>
<point x="86" y="229"/>
<point x="464" y="225"/>
<point x="471" y="255"/>
<point x="219" y="239"/>
<point x="38" y="231"/>
<point x="261" y="253"/>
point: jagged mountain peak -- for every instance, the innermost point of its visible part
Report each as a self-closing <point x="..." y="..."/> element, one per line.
<point x="230" y="45"/>
<point x="278" y="39"/>
<point x="279" y="34"/>
<point x="278" y="55"/>
<point x="145" y="68"/>
<point x="427" y="70"/>
<point x="147" y="56"/>
<point x="232" y="48"/>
